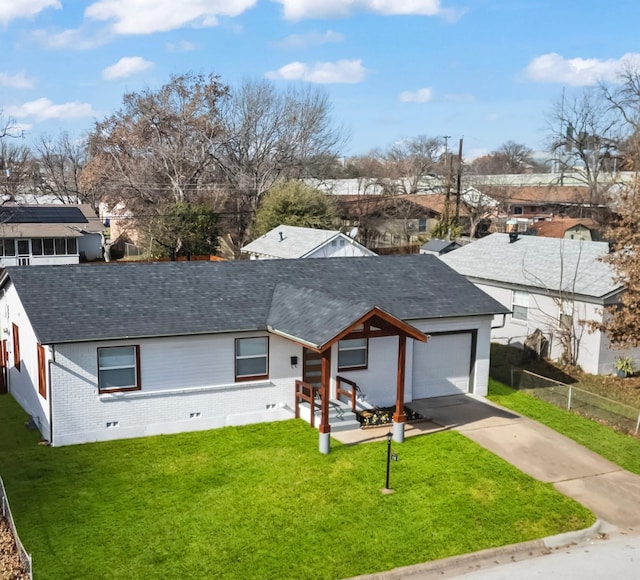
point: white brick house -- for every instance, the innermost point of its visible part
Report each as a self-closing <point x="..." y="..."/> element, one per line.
<point x="128" y="350"/>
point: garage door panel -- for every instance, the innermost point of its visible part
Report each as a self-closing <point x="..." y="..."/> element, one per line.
<point x="442" y="365"/>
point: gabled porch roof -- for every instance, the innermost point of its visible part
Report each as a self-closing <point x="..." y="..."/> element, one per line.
<point x="317" y="320"/>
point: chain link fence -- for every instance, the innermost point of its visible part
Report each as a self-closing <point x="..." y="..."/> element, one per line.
<point x="613" y="413"/>
<point x="5" y="511"/>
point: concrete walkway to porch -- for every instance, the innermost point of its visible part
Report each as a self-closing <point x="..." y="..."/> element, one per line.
<point x="612" y="493"/>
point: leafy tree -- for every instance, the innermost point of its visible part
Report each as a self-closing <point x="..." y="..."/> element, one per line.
<point x="186" y="230"/>
<point x="295" y="204"/>
<point x="446" y="229"/>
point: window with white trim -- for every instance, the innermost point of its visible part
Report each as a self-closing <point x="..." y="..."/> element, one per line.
<point x="520" y="305"/>
<point x="252" y="358"/>
<point x="353" y="354"/>
<point x="118" y="368"/>
<point x="565" y="315"/>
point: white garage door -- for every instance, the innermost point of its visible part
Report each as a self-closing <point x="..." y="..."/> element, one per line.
<point x="442" y="365"/>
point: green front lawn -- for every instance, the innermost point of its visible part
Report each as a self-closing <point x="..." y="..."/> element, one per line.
<point x="261" y="502"/>
<point x="614" y="446"/>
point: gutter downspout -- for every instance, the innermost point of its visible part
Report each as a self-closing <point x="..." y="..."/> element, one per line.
<point x="53" y="360"/>
<point x="504" y="321"/>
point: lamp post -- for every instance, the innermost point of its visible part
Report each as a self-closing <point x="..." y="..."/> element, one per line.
<point x="389" y="436"/>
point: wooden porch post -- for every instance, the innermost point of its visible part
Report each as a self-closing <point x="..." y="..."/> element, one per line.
<point x="325" y="428"/>
<point x="399" y="417"/>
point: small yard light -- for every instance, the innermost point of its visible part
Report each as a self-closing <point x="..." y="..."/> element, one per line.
<point x="387" y="489"/>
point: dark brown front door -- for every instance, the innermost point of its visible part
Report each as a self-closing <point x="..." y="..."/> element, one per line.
<point x="312" y="367"/>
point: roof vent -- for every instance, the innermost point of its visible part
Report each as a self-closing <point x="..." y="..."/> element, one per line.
<point x="281" y="236"/>
<point x="512" y="230"/>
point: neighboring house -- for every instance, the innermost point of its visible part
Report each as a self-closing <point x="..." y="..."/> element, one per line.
<point x="439" y="247"/>
<point x="391" y="221"/>
<point x="139" y="349"/>
<point x="569" y="228"/>
<point x="49" y="234"/>
<point x="296" y="242"/>
<point x="552" y="285"/>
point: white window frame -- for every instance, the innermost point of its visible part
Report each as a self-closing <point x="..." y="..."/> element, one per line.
<point x="265" y="356"/>
<point x="519" y="299"/>
<point x="135" y="366"/>
<point x="347" y="345"/>
<point x="566" y="309"/>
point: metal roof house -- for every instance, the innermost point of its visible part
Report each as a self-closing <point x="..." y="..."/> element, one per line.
<point x="49" y="234"/>
<point x="553" y="285"/>
<point x="298" y="242"/>
<point x="127" y="350"/>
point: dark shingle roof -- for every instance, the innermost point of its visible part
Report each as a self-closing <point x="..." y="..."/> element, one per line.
<point x="91" y="302"/>
<point x="35" y="214"/>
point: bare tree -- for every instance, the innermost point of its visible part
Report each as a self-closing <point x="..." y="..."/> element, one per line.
<point x="509" y="158"/>
<point x="584" y="132"/>
<point x="17" y="170"/>
<point x="155" y="151"/>
<point x="60" y="164"/>
<point x="270" y="136"/>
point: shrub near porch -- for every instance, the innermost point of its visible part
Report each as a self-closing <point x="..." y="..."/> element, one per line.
<point x="261" y="502"/>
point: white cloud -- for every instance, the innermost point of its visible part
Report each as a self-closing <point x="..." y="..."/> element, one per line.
<point x="12" y="9"/>
<point x="423" y="95"/>
<point x="299" y="41"/>
<point x="301" y="9"/>
<point x="182" y="46"/>
<point x="17" y="81"/>
<point x="146" y="17"/>
<point x="75" y="38"/>
<point x="580" y="72"/>
<point x="127" y="66"/>
<point x="44" y="109"/>
<point x="342" y="71"/>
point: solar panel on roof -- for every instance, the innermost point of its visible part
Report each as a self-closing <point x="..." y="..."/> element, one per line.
<point x="42" y="215"/>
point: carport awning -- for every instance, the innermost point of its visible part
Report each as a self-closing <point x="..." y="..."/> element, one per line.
<point x="318" y="320"/>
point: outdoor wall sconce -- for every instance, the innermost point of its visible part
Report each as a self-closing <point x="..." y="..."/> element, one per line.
<point x="294" y="362"/>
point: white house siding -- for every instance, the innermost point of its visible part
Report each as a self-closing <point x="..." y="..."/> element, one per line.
<point x="23" y="383"/>
<point x="339" y="247"/>
<point x="378" y="381"/>
<point x="480" y="328"/>
<point x="594" y="355"/>
<point x="39" y="260"/>
<point x="180" y="377"/>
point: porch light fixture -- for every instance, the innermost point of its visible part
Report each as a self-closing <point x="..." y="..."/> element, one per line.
<point x="294" y="362"/>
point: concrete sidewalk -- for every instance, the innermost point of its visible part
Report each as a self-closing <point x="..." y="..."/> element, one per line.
<point x="612" y="493"/>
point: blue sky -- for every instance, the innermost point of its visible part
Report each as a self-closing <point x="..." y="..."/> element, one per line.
<point x="485" y="70"/>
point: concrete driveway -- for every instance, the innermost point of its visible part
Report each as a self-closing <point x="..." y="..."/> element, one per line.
<point x="612" y="493"/>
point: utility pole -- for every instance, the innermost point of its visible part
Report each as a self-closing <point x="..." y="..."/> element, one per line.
<point x="459" y="182"/>
<point x="448" y="167"/>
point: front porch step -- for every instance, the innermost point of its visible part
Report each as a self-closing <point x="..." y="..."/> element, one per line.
<point x="341" y="417"/>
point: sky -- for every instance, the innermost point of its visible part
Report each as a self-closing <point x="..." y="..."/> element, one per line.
<point x="485" y="70"/>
